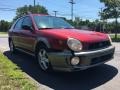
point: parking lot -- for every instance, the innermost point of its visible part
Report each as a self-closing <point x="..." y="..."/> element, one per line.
<point x="104" y="77"/>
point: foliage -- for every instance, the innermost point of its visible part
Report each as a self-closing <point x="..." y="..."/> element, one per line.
<point x="114" y="39"/>
<point x="29" y="8"/>
<point x="4" y="26"/>
<point x="80" y="23"/>
<point x="97" y="25"/>
<point x="111" y="10"/>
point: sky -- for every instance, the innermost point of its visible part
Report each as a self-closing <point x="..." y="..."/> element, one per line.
<point x="85" y="9"/>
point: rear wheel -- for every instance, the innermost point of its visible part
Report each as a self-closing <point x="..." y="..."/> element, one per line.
<point x="11" y="45"/>
<point x="43" y="59"/>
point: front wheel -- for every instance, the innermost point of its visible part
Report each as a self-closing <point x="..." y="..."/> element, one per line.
<point x="43" y="59"/>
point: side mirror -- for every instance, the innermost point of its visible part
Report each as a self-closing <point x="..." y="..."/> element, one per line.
<point x="27" y="28"/>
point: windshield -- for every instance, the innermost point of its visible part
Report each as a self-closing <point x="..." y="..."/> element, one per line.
<point x="44" y="22"/>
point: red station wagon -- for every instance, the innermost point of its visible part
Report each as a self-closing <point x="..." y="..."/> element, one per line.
<point x="57" y="45"/>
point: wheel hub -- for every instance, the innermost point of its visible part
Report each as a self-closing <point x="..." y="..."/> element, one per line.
<point x="43" y="59"/>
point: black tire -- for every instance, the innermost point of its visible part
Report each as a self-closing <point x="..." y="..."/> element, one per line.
<point x="12" y="47"/>
<point x="43" y="60"/>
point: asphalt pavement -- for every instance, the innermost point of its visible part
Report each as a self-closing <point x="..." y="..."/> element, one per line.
<point x="104" y="77"/>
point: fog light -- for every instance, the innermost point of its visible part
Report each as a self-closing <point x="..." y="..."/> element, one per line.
<point x="75" y="61"/>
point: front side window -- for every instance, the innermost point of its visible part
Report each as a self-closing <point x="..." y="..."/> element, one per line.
<point x="50" y="22"/>
<point x="27" y="21"/>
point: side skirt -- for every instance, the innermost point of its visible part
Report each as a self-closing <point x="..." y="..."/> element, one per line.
<point x="24" y="51"/>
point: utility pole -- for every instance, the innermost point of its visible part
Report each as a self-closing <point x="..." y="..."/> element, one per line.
<point x="34" y="3"/>
<point x="38" y="8"/>
<point x="101" y="21"/>
<point x="72" y="3"/>
<point x="55" y="13"/>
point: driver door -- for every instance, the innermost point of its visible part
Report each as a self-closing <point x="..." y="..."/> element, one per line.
<point x="27" y="36"/>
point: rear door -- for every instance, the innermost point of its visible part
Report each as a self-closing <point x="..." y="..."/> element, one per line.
<point x="16" y="30"/>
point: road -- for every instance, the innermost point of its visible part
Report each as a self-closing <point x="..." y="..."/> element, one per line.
<point x="4" y="44"/>
<point x="104" y="77"/>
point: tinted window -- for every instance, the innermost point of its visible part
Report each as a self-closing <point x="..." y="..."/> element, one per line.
<point x="27" y="21"/>
<point x="18" y="25"/>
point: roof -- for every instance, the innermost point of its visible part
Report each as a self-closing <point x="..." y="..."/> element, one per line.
<point x="40" y="14"/>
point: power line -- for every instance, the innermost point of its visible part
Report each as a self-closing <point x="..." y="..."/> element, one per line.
<point x="72" y="3"/>
<point x="7" y="9"/>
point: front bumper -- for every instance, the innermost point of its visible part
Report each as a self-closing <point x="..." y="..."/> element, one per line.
<point x="61" y="60"/>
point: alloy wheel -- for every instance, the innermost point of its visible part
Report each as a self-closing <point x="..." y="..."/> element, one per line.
<point x="43" y="59"/>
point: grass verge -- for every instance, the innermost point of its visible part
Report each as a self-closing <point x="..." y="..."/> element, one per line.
<point x="113" y="38"/>
<point x="3" y="32"/>
<point x="12" y="78"/>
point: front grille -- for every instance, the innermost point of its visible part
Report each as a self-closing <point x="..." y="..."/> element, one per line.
<point x="101" y="59"/>
<point x="98" y="45"/>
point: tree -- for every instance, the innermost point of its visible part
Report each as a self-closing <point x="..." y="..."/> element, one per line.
<point x="4" y="26"/>
<point x="111" y="10"/>
<point x="33" y="9"/>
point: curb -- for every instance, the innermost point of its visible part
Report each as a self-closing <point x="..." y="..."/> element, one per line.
<point x="3" y="36"/>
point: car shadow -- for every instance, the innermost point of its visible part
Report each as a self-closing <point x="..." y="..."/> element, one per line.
<point x="82" y="80"/>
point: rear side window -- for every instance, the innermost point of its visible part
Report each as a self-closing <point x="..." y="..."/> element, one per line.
<point x="18" y="25"/>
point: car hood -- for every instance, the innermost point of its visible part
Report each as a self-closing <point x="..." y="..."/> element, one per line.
<point x="82" y="35"/>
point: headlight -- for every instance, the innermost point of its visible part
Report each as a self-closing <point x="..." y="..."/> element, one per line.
<point x="74" y="44"/>
<point x="110" y="39"/>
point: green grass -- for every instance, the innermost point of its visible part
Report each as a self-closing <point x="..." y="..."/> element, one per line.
<point x="3" y="32"/>
<point x="12" y="78"/>
<point x="113" y="38"/>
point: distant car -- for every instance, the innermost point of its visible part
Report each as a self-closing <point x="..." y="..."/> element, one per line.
<point x="57" y="45"/>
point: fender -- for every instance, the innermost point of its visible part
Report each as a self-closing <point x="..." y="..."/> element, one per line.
<point x="44" y="40"/>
